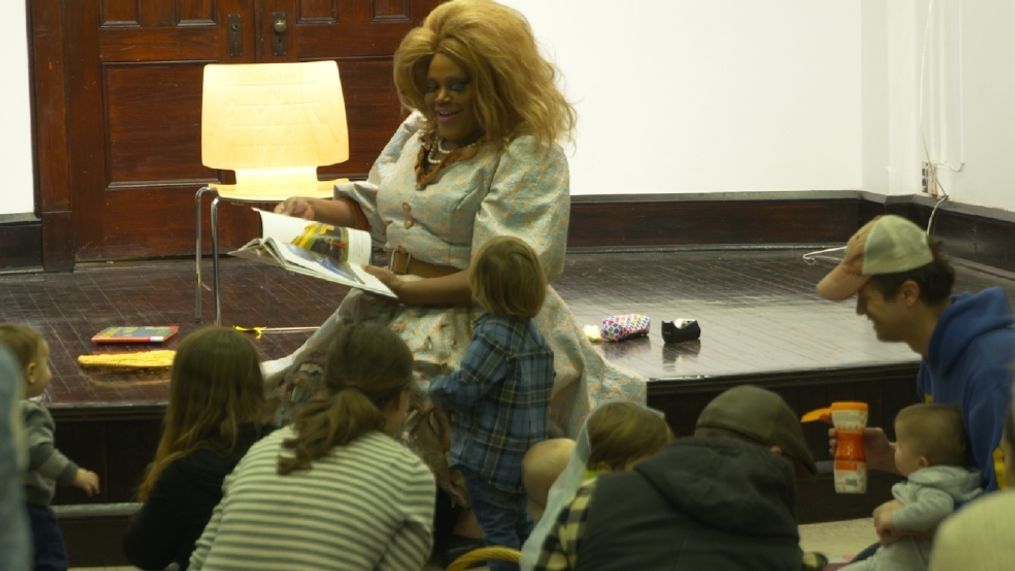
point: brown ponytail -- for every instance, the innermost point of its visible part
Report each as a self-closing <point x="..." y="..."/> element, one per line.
<point x="367" y="367"/>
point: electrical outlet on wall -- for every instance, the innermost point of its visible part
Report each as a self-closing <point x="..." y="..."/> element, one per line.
<point x="928" y="179"/>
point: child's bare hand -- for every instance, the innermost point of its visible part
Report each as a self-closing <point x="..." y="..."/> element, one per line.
<point x="87" y="481"/>
<point x="887" y="537"/>
<point x="883" y="521"/>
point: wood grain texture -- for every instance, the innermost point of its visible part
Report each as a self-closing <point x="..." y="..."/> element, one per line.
<point x="127" y="130"/>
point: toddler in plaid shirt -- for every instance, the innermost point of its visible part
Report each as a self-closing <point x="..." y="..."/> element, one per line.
<point x="499" y="399"/>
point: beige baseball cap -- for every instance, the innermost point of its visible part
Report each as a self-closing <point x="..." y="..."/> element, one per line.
<point x="886" y="245"/>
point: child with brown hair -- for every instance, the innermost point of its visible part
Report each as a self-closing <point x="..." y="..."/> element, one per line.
<point x="335" y="489"/>
<point x="216" y="411"/>
<point x="622" y="433"/>
<point x="616" y="436"/>
<point x="47" y="467"/>
<point x="930" y="450"/>
<point x="499" y="399"/>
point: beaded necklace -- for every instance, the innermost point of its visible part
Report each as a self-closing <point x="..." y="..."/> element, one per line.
<point x="439" y="148"/>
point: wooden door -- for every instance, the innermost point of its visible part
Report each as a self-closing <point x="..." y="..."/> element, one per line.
<point x="131" y="74"/>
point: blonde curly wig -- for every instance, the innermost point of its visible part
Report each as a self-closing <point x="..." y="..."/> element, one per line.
<point x="515" y="93"/>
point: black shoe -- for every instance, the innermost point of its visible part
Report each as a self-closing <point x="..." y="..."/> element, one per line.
<point x="681" y="330"/>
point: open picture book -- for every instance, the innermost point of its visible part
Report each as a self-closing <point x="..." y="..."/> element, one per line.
<point x="314" y="249"/>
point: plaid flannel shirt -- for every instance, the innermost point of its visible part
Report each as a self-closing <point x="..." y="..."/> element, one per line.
<point x="560" y="548"/>
<point x="499" y="399"/>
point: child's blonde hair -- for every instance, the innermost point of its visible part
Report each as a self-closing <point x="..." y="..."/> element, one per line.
<point x="622" y="432"/>
<point x="368" y="366"/>
<point x="935" y="431"/>
<point x="507" y="279"/>
<point x="23" y="341"/>
<point x="216" y="386"/>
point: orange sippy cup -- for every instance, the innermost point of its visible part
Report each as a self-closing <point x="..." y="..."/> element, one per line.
<point x="850" y="420"/>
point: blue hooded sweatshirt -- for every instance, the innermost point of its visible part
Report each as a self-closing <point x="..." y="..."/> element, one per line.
<point x="969" y="364"/>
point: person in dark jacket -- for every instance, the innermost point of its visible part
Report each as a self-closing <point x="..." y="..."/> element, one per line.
<point x="722" y="499"/>
<point x="216" y="411"/>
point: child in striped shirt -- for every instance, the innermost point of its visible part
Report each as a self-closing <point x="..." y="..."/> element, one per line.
<point x="336" y="489"/>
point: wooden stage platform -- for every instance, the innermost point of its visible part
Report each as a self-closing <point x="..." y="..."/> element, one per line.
<point x="761" y="323"/>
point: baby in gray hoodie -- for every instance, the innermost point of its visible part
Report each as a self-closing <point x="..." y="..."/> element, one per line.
<point x="930" y="450"/>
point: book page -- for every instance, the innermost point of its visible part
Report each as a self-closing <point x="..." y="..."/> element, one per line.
<point x="279" y="226"/>
<point x="316" y="249"/>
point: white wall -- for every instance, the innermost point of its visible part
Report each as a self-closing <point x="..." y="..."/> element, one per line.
<point x="981" y="46"/>
<point x="709" y="95"/>
<point x="890" y="161"/>
<point x="16" y="192"/>
<point x="735" y="95"/>
<point x="938" y="87"/>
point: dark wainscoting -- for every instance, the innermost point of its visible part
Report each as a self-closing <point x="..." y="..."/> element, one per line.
<point x="20" y="242"/>
<point x="617" y="222"/>
<point x="760" y="219"/>
<point x="126" y="434"/>
<point x="117" y="442"/>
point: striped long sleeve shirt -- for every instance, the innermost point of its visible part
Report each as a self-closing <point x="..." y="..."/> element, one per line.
<point x="367" y="505"/>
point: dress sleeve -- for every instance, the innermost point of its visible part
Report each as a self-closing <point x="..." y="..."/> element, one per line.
<point x="153" y="536"/>
<point x="364" y="192"/>
<point x="410" y="546"/>
<point x="529" y="199"/>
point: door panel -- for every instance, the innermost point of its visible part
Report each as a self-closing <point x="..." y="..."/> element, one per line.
<point x="151" y="138"/>
<point x="133" y="78"/>
<point x="372" y="110"/>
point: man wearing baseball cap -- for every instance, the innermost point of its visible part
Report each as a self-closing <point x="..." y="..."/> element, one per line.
<point x="722" y="499"/>
<point x="903" y="285"/>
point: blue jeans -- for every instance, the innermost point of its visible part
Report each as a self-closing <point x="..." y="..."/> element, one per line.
<point x="47" y="541"/>
<point x="501" y="514"/>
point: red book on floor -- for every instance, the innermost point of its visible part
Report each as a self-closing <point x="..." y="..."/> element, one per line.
<point x="136" y="334"/>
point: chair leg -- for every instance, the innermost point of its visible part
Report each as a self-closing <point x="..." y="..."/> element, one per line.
<point x="197" y="254"/>
<point x="215" y="258"/>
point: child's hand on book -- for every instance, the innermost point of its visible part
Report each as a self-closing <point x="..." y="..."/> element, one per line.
<point x="87" y="481"/>
<point x="297" y="207"/>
